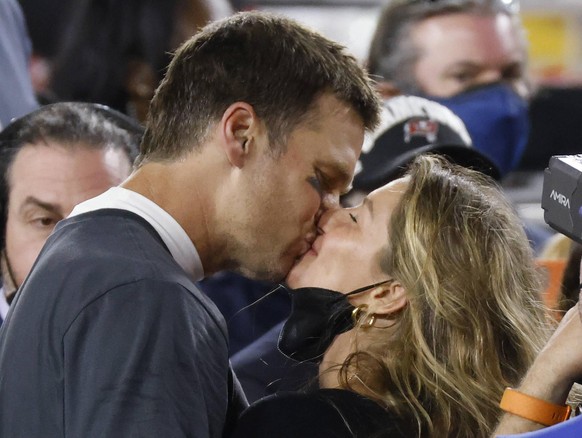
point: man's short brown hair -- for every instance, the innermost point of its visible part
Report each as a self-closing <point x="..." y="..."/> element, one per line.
<point x="269" y="62"/>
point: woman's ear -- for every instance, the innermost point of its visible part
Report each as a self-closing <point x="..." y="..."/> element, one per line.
<point x="387" y="299"/>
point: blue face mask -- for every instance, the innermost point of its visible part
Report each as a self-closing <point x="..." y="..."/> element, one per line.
<point x="497" y="120"/>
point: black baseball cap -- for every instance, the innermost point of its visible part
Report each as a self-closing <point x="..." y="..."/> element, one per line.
<point x="412" y="126"/>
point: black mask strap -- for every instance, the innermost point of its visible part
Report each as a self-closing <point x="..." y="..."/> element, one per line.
<point x="365" y="288"/>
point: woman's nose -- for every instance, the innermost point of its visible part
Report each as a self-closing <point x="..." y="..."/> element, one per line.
<point x="331" y="218"/>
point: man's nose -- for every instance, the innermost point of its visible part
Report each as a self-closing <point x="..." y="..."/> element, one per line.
<point x="329" y="202"/>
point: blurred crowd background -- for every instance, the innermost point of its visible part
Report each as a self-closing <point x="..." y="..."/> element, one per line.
<point x="63" y="39"/>
<point x="114" y="52"/>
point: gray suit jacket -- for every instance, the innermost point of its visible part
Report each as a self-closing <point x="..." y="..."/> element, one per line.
<point x="109" y="337"/>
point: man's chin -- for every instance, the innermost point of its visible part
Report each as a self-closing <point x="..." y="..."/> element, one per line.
<point x="273" y="274"/>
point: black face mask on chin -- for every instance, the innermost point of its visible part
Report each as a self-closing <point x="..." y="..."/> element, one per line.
<point x="317" y="316"/>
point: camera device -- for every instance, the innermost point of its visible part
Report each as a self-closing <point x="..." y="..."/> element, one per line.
<point x="562" y="195"/>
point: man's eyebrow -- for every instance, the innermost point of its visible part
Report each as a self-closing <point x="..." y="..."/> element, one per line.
<point x="53" y="208"/>
<point x="348" y="189"/>
<point x="338" y="173"/>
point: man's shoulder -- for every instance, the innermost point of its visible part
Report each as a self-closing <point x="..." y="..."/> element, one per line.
<point x="108" y="255"/>
<point x="107" y="239"/>
<point x="100" y="224"/>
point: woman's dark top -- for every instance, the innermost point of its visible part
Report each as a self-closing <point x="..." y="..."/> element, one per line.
<point x="324" y="413"/>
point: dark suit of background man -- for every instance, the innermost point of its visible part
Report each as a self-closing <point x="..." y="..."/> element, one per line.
<point x="16" y="94"/>
<point x="254" y="132"/>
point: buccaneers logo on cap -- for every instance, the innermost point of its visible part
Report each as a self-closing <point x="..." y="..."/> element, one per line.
<point x="426" y="128"/>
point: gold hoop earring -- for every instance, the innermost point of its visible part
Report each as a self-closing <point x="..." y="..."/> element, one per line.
<point x="369" y="322"/>
<point x="357" y="313"/>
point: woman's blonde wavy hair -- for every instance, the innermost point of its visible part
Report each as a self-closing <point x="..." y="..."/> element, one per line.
<point x="474" y="320"/>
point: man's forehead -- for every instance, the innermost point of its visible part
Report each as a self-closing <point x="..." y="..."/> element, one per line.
<point x="333" y="140"/>
<point x="497" y="32"/>
<point x="340" y="165"/>
<point x="77" y="166"/>
<point x="34" y="159"/>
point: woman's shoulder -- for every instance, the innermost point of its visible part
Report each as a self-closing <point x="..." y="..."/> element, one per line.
<point x="322" y="413"/>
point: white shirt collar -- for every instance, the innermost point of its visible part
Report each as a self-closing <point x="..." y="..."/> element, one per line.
<point x="173" y="235"/>
<point x="3" y="305"/>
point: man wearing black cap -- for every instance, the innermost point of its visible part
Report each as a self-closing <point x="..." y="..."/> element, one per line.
<point x="411" y="126"/>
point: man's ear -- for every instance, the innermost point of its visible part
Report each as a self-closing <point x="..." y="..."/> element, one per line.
<point x="387" y="89"/>
<point x="387" y="299"/>
<point x="238" y="128"/>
